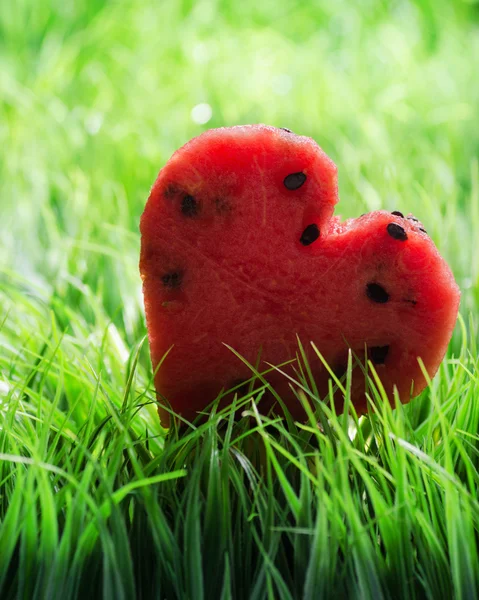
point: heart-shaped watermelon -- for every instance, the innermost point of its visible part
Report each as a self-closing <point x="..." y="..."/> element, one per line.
<point x="240" y="248"/>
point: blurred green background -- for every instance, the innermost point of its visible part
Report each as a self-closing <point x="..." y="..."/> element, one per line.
<point x="95" y="96"/>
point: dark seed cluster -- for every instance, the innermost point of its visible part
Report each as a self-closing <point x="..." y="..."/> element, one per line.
<point x="414" y="220"/>
<point x="377" y="293"/>
<point x="397" y="232"/>
<point x="172" y="280"/>
<point x="189" y="206"/>
<point x="398" y="213"/>
<point x="378" y="354"/>
<point x="309" y="235"/>
<point x="286" y="129"/>
<point x="294" y="181"/>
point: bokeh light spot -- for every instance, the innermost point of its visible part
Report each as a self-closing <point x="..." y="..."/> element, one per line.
<point x="201" y="113"/>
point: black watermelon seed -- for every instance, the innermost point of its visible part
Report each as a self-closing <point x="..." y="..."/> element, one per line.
<point x="309" y="235"/>
<point x="172" y="280"/>
<point x="379" y="354"/>
<point x="398" y="213"/>
<point x="422" y="229"/>
<point x="413" y="219"/>
<point x="286" y="129"/>
<point x="397" y="232"/>
<point x="377" y="293"/>
<point x="294" y="181"/>
<point x="189" y="206"/>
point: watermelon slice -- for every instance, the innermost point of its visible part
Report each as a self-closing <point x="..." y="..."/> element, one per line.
<point x="240" y="247"/>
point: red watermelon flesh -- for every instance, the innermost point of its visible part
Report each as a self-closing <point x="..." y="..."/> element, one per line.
<point x="240" y="247"/>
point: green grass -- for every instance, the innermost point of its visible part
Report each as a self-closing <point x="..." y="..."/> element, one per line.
<point x="94" y="499"/>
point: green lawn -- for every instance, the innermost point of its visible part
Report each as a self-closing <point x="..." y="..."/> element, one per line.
<point x="94" y="499"/>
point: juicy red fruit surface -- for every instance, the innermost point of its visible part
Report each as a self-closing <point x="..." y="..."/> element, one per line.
<point x="240" y="247"/>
